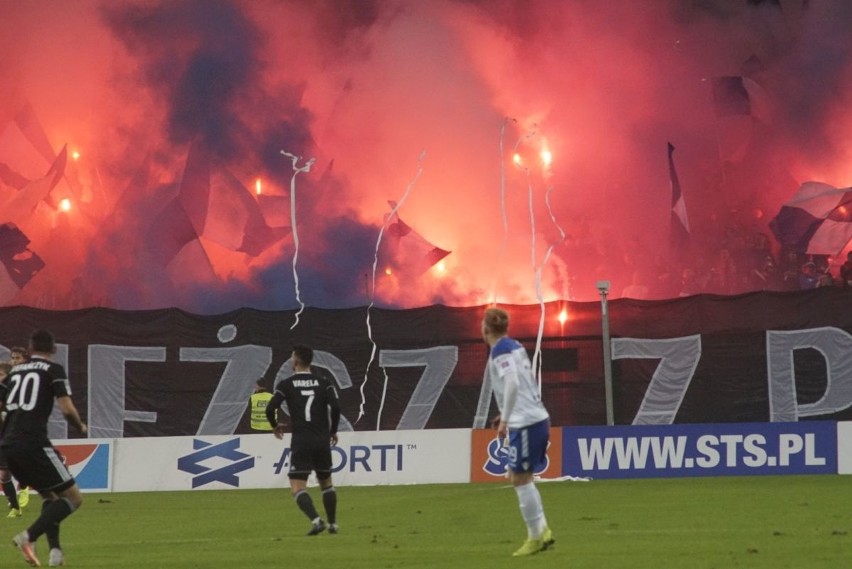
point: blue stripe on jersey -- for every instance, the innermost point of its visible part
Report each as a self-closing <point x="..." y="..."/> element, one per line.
<point x="504" y="345"/>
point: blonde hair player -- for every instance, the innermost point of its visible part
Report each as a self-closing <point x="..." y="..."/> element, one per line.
<point x="523" y="420"/>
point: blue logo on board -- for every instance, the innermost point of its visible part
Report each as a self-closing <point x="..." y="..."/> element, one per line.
<point x="204" y="474"/>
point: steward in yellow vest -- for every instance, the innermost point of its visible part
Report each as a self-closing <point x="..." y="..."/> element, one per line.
<point x="258" y="401"/>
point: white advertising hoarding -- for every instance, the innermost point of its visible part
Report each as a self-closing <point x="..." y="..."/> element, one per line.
<point x="844" y="447"/>
<point x="261" y="461"/>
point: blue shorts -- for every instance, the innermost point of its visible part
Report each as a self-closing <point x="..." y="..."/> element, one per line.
<point x="528" y="447"/>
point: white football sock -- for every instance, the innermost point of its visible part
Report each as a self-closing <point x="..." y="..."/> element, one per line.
<point x="532" y="511"/>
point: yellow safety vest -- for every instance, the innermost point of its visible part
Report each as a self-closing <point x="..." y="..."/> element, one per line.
<point x="258" y="411"/>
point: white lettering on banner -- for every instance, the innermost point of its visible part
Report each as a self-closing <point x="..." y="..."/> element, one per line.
<point x="707" y="449"/>
<point x="364" y="458"/>
<point x="678" y="360"/>
<point x="755" y="453"/>
<point x="810" y="448"/>
<point x="792" y="444"/>
<point x="245" y="364"/>
<point x="107" y="414"/>
<point x="835" y="345"/>
<point x="438" y="364"/>
<point x="710" y="451"/>
<point x="632" y="451"/>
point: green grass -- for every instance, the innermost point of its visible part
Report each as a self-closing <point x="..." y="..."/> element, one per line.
<point x="754" y="522"/>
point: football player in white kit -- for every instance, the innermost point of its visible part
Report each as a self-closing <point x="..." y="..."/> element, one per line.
<point x="524" y="420"/>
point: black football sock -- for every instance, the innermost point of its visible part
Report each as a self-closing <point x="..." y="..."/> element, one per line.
<point x="11" y="494"/>
<point x="52" y="533"/>
<point x="303" y="500"/>
<point x="51" y="515"/>
<point x="329" y="502"/>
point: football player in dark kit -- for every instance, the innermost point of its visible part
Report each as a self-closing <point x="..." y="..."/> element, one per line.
<point x="315" y="414"/>
<point x="27" y="396"/>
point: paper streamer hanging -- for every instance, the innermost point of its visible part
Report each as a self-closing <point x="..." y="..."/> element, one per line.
<point x="374" y="348"/>
<point x="296" y="171"/>
<point x="505" y="242"/>
<point x="516" y="158"/>
<point x="538" y="271"/>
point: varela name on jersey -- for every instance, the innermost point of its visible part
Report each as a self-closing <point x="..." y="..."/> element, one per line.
<point x="305" y="383"/>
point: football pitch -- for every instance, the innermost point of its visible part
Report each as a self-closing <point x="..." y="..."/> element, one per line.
<point x="771" y="522"/>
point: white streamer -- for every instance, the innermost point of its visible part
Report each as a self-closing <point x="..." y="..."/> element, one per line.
<point x="538" y="271"/>
<point x="505" y="242"/>
<point x="385" y="225"/>
<point x="296" y="171"/>
<point x="537" y="268"/>
<point x="536" y="365"/>
<point x="529" y="198"/>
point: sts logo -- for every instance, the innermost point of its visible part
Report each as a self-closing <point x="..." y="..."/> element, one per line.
<point x="498" y="459"/>
<point x="238" y="461"/>
<point x="489" y="457"/>
<point x="88" y="463"/>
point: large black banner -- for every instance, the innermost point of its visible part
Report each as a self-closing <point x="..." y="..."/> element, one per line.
<point x="755" y="357"/>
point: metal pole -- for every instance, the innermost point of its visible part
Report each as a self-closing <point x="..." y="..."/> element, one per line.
<point x="603" y="288"/>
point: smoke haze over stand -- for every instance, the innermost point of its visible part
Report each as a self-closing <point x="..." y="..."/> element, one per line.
<point x="364" y="87"/>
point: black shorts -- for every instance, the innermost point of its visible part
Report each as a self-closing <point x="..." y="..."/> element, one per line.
<point x="40" y="468"/>
<point x="308" y="455"/>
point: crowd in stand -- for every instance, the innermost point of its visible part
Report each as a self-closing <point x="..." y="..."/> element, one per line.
<point x="730" y="254"/>
<point x="742" y="265"/>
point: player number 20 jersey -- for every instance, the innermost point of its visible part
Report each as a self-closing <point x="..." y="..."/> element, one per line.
<point x="29" y="392"/>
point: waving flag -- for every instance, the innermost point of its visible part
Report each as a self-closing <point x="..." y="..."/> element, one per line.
<point x="18" y="265"/>
<point x="183" y="217"/>
<point x="741" y="106"/>
<point x="406" y="249"/>
<point x="25" y="153"/>
<point x="170" y="232"/>
<point x="409" y="250"/>
<point x="211" y="203"/>
<point x="817" y="220"/>
<point x="21" y="205"/>
<point x="679" y="227"/>
<point x="29" y="164"/>
<point x="234" y="217"/>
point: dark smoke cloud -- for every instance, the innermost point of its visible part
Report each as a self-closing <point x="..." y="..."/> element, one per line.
<point x="201" y="57"/>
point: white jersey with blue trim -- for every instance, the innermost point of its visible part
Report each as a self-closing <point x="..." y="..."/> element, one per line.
<point x="508" y="355"/>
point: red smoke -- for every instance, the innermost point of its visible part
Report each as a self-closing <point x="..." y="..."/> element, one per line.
<point x="365" y="87"/>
